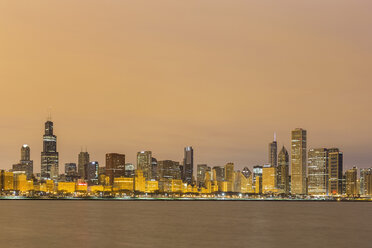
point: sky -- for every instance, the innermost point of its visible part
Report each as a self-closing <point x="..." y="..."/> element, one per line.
<point x="219" y="75"/>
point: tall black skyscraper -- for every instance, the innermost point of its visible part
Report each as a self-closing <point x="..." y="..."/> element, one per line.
<point x="273" y="152"/>
<point x="49" y="155"/>
<point x="188" y="164"/>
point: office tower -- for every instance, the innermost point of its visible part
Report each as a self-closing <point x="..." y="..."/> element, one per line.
<point x="144" y="163"/>
<point x="70" y="169"/>
<point x="283" y="171"/>
<point x="368" y="182"/>
<point x="364" y="176"/>
<point x="335" y="173"/>
<point x="91" y="172"/>
<point x="257" y="172"/>
<point x="246" y="172"/>
<point x="298" y="162"/>
<point x="351" y="182"/>
<point x="318" y="171"/>
<point x="129" y="170"/>
<point x="7" y="180"/>
<point x="188" y="164"/>
<point x="200" y="174"/>
<point x="218" y="173"/>
<point x="115" y="166"/>
<point x="273" y="152"/>
<point x="241" y="183"/>
<point x="83" y="161"/>
<point x="154" y="169"/>
<point x="269" y="179"/>
<point x="168" y="169"/>
<point x="25" y="164"/>
<point x="230" y="176"/>
<point x="49" y="155"/>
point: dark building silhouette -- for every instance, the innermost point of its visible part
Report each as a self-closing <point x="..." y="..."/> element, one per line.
<point x="115" y="166"/>
<point x="188" y="164"/>
<point x="283" y="171"/>
<point x="25" y="165"/>
<point x="273" y="152"/>
<point x="83" y="161"/>
<point x="49" y="155"/>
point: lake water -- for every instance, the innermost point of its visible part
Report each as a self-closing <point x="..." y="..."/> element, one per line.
<point x="184" y="224"/>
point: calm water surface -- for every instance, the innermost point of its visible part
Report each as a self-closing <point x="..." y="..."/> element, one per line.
<point x="184" y="224"/>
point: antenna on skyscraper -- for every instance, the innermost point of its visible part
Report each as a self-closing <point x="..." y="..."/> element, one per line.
<point x="275" y="136"/>
<point x="49" y="114"/>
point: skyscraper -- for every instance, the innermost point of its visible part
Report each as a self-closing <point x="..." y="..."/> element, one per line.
<point x="283" y="171"/>
<point x="168" y="169"/>
<point x="91" y="172"/>
<point x="200" y="174"/>
<point x="364" y="180"/>
<point x="83" y="161"/>
<point x="318" y="171"/>
<point x="246" y="172"/>
<point x="335" y="171"/>
<point x="144" y="163"/>
<point x="115" y="166"/>
<point x="298" y="162"/>
<point x="351" y="182"/>
<point x="49" y="155"/>
<point x="273" y="152"/>
<point x="25" y="164"/>
<point x="188" y="164"/>
<point x="218" y="173"/>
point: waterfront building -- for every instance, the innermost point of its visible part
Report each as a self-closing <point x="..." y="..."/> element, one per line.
<point x="129" y="170"/>
<point x="230" y="176"/>
<point x="49" y="155"/>
<point x="66" y="187"/>
<point x="123" y="184"/>
<point x="140" y="181"/>
<point x="335" y="171"/>
<point x="351" y="182"/>
<point x="364" y="180"/>
<point x="25" y="165"/>
<point x="188" y="164"/>
<point x="168" y="169"/>
<point x="282" y="171"/>
<point x="273" y="152"/>
<point x="246" y="172"/>
<point x="298" y="161"/>
<point x="257" y="172"/>
<point x="218" y="173"/>
<point x="154" y="169"/>
<point x="115" y="166"/>
<point x="318" y="171"/>
<point x="83" y="161"/>
<point x="91" y="172"/>
<point x="269" y="179"/>
<point x="144" y="163"/>
<point x="200" y="174"/>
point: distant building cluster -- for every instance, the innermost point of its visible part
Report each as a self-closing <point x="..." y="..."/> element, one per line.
<point x="317" y="172"/>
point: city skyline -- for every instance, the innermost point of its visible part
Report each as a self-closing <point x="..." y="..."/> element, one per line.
<point x="129" y="79"/>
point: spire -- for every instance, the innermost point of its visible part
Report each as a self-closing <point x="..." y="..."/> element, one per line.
<point x="274" y="136"/>
<point x="49" y="118"/>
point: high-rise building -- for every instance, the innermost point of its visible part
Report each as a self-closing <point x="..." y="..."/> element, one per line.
<point x="230" y="176"/>
<point x="83" y="161"/>
<point x="129" y="170"/>
<point x="144" y="163"/>
<point x="188" y="164"/>
<point x="154" y="169"/>
<point x="218" y="173"/>
<point x="115" y="166"/>
<point x="283" y="171"/>
<point x="335" y="171"/>
<point x="269" y="177"/>
<point x="25" y="164"/>
<point x="49" y="155"/>
<point x="91" y="172"/>
<point x="246" y="172"/>
<point x="168" y="169"/>
<point x="200" y="174"/>
<point x="273" y="152"/>
<point x="318" y="171"/>
<point x="71" y="172"/>
<point x="298" y="162"/>
<point x="351" y="182"/>
<point x="364" y="183"/>
<point x="257" y="172"/>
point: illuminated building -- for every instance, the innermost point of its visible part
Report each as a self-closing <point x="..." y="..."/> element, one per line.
<point x="20" y="182"/>
<point x="66" y="187"/>
<point x="188" y="164"/>
<point x="115" y="166"/>
<point x="83" y="161"/>
<point x="218" y="173"/>
<point x="25" y="165"/>
<point x="365" y="184"/>
<point x="168" y="169"/>
<point x="241" y="183"/>
<point x="298" y="162"/>
<point x="351" y="182"/>
<point x="273" y="151"/>
<point x="7" y="180"/>
<point x="151" y="186"/>
<point x="282" y="172"/>
<point x="81" y="186"/>
<point x="49" y="186"/>
<point x="123" y="184"/>
<point x="258" y="185"/>
<point x="200" y="174"/>
<point x="154" y="169"/>
<point x="129" y="170"/>
<point x="335" y="171"/>
<point x="230" y="176"/>
<point x="71" y="172"/>
<point x="318" y="171"/>
<point x="246" y="172"/>
<point x="257" y="172"/>
<point x="140" y="181"/>
<point x="144" y="163"/>
<point x="269" y="179"/>
<point x="49" y="155"/>
<point x="96" y="189"/>
<point x="91" y="172"/>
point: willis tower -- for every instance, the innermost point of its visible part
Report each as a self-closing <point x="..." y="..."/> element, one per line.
<point x="49" y="155"/>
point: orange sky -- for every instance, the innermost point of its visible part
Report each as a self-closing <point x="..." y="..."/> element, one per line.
<point x="222" y="76"/>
